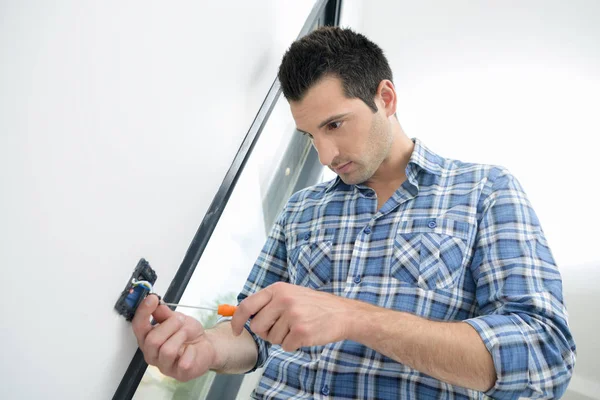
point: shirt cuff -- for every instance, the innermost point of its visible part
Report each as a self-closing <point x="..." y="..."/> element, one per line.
<point x="510" y="352"/>
<point x="262" y="348"/>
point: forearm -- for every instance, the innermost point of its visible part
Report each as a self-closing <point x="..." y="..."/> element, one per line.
<point x="452" y="352"/>
<point x="233" y="354"/>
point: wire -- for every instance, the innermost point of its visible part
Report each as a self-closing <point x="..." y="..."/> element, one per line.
<point x="145" y="284"/>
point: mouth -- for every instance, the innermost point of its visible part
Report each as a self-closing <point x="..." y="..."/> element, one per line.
<point x="343" y="168"/>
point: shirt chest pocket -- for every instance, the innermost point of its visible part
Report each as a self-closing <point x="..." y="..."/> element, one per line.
<point x="430" y="253"/>
<point x="310" y="259"/>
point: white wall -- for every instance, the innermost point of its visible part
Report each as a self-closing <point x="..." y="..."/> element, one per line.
<point x="118" y="121"/>
<point x="512" y="83"/>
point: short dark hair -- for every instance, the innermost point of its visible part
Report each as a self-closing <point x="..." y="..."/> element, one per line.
<point x="350" y="56"/>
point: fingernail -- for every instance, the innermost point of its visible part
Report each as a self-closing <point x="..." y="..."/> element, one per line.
<point x="148" y="301"/>
<point x="181" y="317"/>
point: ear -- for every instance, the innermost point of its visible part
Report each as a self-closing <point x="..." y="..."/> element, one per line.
<point x="386" y="97"/>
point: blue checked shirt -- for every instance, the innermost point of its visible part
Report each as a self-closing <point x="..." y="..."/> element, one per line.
<point x="456" y="242"/>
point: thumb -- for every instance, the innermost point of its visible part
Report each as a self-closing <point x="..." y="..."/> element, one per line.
<point x="161" y="312"/>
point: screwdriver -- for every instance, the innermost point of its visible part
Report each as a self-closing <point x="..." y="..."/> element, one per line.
<point x="225" y="310"/>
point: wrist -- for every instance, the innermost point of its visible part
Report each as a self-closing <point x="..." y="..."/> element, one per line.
<point x="217" y="362"/>
<point x="359" y="320"/>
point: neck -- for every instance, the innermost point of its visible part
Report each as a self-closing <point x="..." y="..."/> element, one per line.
<point x="391" y="173"/>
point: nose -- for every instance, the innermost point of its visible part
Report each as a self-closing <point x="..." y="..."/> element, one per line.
<point x="326" y="149"/>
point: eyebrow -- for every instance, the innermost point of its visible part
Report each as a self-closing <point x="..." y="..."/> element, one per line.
<point x="332" y="118"/>
<point x="327" y="121"/>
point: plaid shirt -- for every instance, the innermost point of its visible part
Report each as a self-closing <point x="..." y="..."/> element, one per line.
<point x="456" y="242"/>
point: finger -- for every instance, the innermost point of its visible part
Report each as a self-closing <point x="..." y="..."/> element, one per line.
<point x="278" y="332"/>
<point x="265" y="320"/>
<point x="293" y="340"/>
<point x="159" y="335"/>
<point x="141" y="320"/>
<point x="171" y="350"/>
<point x="251" y="305"/>
<point x="186" y="364"/>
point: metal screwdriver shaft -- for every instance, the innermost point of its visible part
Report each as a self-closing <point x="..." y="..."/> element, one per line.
<point x="224" y="310"/>
<point x="184" y="306"/>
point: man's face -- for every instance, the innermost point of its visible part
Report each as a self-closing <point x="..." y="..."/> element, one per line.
<point x="350" y="139"/>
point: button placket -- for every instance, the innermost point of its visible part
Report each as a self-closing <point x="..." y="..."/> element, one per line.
<point x="321" y="383"/>
<point x="354" y="272"/>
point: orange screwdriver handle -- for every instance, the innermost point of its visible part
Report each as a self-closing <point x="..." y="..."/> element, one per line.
<point x="226" y="310"/>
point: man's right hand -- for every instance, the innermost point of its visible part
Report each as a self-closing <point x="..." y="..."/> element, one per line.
<point x="177" y="344"/>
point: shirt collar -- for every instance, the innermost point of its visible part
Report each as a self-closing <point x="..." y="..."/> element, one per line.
<point x="425" y="159"/>
<point x="421" y="158"/>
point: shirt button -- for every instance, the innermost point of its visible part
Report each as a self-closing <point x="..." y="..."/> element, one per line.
<point x="307" y="236"/>
<point x="357" y="279"/>
<point x="432" y="224"/>
<point x="325" y="390"/>
<point x="367" y="230"/>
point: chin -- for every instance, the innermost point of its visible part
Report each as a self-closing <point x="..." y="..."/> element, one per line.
<point x="352" y="180"/>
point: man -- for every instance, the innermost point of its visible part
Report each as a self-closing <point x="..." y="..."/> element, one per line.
<point x="409" y="276"/>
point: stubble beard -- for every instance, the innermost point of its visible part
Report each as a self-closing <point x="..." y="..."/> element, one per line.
<point x="379" y="144"/>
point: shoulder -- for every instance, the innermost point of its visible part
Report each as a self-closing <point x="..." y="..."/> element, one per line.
<point x="453" y="173"/>
<point x="491" y="177"/>
<point x="488" y="171"/>
<point x="313" y="194"/>
<point x="306" y="205"/>
<point x="489" y="183"/>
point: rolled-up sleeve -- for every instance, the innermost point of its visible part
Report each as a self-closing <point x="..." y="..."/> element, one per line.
<point x="269" y="268"/>
<point x="523" y="321"/>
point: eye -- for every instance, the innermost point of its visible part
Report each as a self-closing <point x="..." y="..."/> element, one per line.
<point x="333" y="125"/>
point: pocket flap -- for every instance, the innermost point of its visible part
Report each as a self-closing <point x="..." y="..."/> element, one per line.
<point x="310" y="237"/>
<point x="439" y="225"/>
